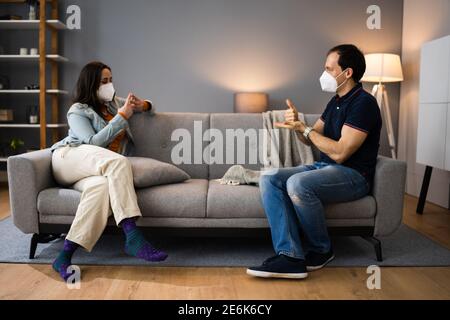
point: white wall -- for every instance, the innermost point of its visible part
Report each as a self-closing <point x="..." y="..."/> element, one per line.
<point x="423" y="20"/>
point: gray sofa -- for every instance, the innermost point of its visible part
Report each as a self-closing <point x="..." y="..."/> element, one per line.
<point x="42" y="208"/>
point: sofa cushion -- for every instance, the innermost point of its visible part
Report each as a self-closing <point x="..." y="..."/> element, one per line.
<point x="253" y="146"/>
<point x="179" y="200"/>
<point x="149" y="172"/>
<point x="58" y="201"/>
<point x="244" y="201"/>
<point x="241" y="201"/>
<point x="153" y="138"/>
<point x="363" y="208"/>
<point x="237" y="121"/>
<point x="311" y="120"/>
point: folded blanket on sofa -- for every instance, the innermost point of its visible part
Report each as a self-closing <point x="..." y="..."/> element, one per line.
<point x="283" y="150"/>
<point x="237" y="175"/>
<point x="289" y="151"/>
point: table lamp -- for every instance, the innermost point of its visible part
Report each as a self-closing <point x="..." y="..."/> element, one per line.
<point x="250" y="102"/>
<point x="382" y="68"/>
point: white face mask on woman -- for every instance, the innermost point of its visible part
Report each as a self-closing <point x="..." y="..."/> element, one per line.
<point x="329" y="83"/>
<point x="106" y="92"/>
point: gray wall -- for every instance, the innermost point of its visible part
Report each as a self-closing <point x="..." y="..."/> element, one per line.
<point x="192" y="55"/>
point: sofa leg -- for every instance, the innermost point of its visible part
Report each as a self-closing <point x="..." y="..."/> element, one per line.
<point x="377" y="245"/>
<point x="41" y="238"/>
<point x="33" y="245"/>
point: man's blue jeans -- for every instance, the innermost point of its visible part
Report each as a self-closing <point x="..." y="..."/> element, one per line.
<point x="294" y="198"/>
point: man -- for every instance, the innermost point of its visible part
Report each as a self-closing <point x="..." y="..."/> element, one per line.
<point x="347" y="135"/>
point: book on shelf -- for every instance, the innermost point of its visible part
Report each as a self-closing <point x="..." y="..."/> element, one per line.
<point x="10" y="17"/>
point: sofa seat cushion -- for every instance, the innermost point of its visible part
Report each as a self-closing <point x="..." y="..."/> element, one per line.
<point x="180" y="200"/>
<point x="363" y="208"/>
<point x="58" y="201"/>
<point x="244" y="201"/>
<point x="226" y="201"/>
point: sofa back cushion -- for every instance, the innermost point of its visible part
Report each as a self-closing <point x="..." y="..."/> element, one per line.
<point x="253" y="147"/>
<point x="152" y="135"/>
<point x="245" y="125"/>
<point x="153" y="139"/>
<point x="310" y="120"/>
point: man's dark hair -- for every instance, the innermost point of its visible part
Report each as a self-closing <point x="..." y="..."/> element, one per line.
<point x="350" y="57"/>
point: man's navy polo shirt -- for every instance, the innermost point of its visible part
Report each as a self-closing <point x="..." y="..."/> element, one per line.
<point x="357" y="109"/>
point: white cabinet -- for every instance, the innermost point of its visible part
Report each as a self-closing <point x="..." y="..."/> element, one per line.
<point x="433" y="135"/>
<point x="434" y="71"/>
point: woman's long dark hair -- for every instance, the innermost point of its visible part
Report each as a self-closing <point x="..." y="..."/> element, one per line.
<point x="88" y="84"/>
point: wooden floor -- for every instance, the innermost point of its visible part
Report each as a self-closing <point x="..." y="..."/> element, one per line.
<point x="21" y="281"/>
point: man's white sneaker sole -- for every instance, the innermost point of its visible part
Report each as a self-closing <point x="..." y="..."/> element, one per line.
<point x="265" y="274"/>
<point x="314" y="268"/>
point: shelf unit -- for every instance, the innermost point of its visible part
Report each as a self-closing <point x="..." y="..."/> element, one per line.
<point x="30" y="24"/>
<point x="51" y="58"/>
<point x="26" y="125"/>
<point x="34" y="58"/>
<point x="37" y="91"/>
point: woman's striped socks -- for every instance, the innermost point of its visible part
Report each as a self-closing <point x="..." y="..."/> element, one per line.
<point x="64" y="259"/>
<point x="136" y="244"/>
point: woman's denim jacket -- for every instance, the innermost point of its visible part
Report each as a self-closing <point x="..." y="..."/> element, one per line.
<point x="87" y="127"/>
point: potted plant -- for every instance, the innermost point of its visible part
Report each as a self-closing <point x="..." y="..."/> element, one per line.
<point x="15" y="145"/>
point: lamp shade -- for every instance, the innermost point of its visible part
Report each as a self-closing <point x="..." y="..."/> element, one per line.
<point x="250" y="102"/>
<point x="383" y="67"/>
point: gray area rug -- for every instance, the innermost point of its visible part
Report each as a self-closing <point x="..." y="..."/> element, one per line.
<point x="406" y="247"/>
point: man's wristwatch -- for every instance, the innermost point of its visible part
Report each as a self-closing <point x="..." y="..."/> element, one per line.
<point x="307" y="132"/>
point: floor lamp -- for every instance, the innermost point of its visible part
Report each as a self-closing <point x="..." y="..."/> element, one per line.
<point x="383" y="68"/>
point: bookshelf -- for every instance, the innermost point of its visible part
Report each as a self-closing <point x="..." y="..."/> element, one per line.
<point x="30" y="24"/>
<point x="48" y="62"/>
<point x="35" y="58"/>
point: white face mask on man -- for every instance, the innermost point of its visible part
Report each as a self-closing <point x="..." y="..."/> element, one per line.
<point x="106" y="92"/>
<point x="329" y="83"/>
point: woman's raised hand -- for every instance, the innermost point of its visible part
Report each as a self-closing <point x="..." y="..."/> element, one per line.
<point x="138" y="103"/>
<point x="128" y="107"/>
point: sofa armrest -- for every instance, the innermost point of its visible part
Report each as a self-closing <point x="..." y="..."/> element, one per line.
<point x="28" y="174"/>
<point x="389" y="191"/>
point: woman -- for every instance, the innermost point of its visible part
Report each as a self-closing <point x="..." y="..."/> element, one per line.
<point x="91" y="159"/>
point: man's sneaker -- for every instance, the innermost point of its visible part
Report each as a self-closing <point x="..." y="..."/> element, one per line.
<point x="280" y="266"/>
<point x="316" y="261"/>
